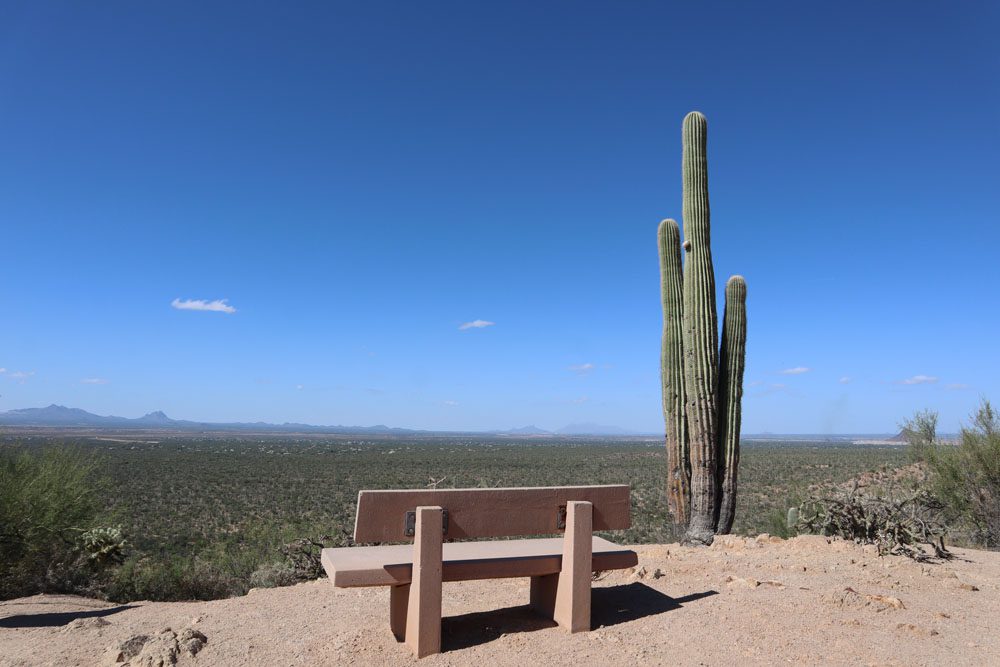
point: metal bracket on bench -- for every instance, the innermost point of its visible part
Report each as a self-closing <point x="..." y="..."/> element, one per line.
<point x="410" y="523"/>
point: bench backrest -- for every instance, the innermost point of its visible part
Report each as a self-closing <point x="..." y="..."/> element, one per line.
<point x="382" y="515"/>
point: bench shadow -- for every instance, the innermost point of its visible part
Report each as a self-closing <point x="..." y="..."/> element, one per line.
<point x="467" y="630"/>
<point x="54" y="619"/>
<point x="610" y="605"/>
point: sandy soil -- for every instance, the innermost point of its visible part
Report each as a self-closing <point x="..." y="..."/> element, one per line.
<point x="742" y="601"/>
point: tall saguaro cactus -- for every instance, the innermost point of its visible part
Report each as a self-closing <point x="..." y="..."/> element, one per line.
<point x="702" y="387"/>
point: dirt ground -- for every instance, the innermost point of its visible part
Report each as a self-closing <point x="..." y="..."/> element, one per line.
<point x="742" y="601"/>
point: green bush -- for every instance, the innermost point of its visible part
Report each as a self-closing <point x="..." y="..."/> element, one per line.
<point x="50" y="500"/>
<point x="964" y="476"/>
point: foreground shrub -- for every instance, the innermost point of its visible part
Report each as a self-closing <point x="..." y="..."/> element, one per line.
<point x="966" y="475"/>
<point x="49" y="503"/>
<point x="897" y="526"/>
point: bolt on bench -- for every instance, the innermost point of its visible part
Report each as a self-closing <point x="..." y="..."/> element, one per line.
<point x="560" y="568"/>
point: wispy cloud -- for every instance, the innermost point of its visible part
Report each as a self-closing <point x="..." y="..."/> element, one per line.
<point x="20" y="376"/>
<point x="755" y="383"/>
<point x="475" y="324"/>
<point x="2" y="371"/>
<point x="217" y="306"/>
<point x="94" y="381"/>
<point x="300" y="387"/>
<point x="450" y="404"/>
<point x="798" y="370"/>
<point x="844" y="380"/>
<point x="918" y="379"/>
<point x="957" y="386"/>
<point x="582" y="369"/>
<point x="581" y="400"/>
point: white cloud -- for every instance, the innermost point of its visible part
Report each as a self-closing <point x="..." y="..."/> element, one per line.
<point x="844" y="380"/>
<point x="798" y="370"/>
<point x="756" y="383"/>
<point x="217" y="306"/>
<point x="919" y="379"/>
<point x="2" y="371"/>
<point x="450" y="404"/>
<point x="582" y="369"/>
<point x="299" y="387"/>
<point x="475" y="324"/>
<point x="957" y="386"/>
<point x="581" y="400"/>
<point x="94" y="381"/>
<point x="20" y="376"/>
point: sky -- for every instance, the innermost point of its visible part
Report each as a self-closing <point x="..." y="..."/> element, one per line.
<point x="443" y="215"/>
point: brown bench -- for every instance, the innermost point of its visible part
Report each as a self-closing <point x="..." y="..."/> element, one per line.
<point x="560" y="568"/>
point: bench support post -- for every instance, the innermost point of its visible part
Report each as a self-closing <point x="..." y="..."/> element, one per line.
<point x="423" y="611"/>
<point x="399" y="598"/>
<point x="572" y="600"/>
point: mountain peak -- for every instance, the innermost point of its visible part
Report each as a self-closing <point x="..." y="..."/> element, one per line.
<point x="157" y="416"/>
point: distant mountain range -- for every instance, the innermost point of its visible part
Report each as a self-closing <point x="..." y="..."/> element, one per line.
<point x="58" y="415"/>
<point x="61" y="416"/>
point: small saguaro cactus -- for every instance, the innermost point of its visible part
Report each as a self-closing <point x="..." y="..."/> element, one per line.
<point x="702" y="384"/>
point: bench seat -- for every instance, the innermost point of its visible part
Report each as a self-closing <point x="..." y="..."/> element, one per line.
<point x="393" y="565"/>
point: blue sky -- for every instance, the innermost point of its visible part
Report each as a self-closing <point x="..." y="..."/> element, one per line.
<point x="359" y="180"/>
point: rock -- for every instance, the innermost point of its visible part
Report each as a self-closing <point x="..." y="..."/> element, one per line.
<point x="968" y="587"/>
<point x="85" y="624"/>
<point x="192" y="641"/>
<point x="159" y="651"/>
<point x="917" y="630"/>
<point x="740" y="581"/>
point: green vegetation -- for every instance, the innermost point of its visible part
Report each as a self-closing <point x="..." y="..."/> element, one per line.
<point x="965" y="476"/>
<point x="50" y="502"/>
<point x="209" y="518"/>
<point x="702" y="384"/>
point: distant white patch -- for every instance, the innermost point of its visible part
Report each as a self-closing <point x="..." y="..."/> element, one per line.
<point x="475" y="324"/>
<point x="20" y="376"/>
<point x="450" y="404"/>
<point x="2" y="371"/>
<point x="94" y="381"/>
<point x="217" y="306"/>
<point x="844" y="380"/>
<point x="957" y="386"/>
<point x="581" y="400"/>
<point x="755" y="383"/>
<point x="779" y="386"/>
<point x="299" y="387"/>
<point x="798" y="370"/>
<point x="582" y="369"/>
<point x="919" y="379"/>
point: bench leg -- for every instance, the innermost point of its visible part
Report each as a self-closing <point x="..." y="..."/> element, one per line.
<point x="543" y="594"/>
<point x="423" y="613"/>
<point x="399" y="598"/>
<point x="572" y="608"/>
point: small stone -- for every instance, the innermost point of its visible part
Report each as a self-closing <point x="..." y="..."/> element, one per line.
<point x="968" y="587"/>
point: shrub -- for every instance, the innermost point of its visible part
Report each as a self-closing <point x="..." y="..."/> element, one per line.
<point x="49" y="500"/>
<point x="900" y="526"/>
<point x="966" y="476"/>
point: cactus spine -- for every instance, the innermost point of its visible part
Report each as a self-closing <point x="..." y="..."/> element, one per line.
<point x="703" y="436"/>
<point x="672" y="371"/>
